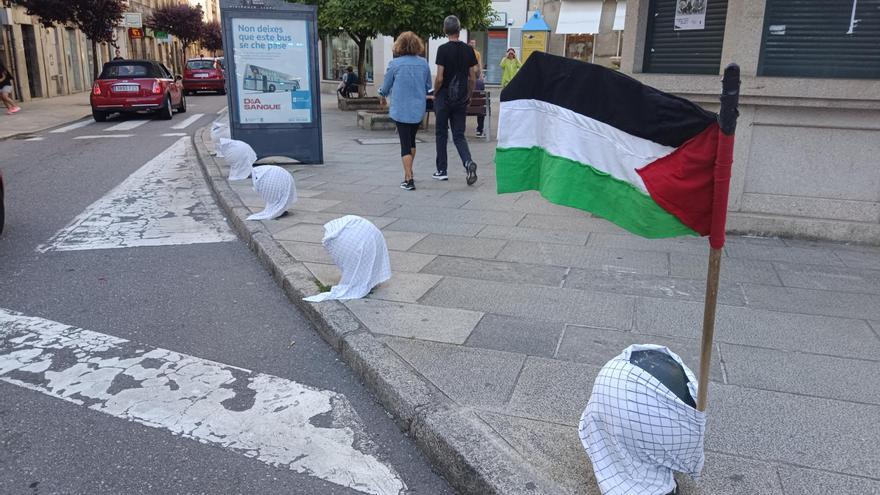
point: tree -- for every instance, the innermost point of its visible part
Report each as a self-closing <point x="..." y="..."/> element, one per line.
<point x="182" y="21"/>
<point x="366" y="19"/>
<point x="95" y="18"/>
<point x="212" y="37"/>
<point x="362" y="20"/>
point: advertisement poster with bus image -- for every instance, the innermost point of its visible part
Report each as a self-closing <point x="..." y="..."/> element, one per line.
<point x="272" y="71"/>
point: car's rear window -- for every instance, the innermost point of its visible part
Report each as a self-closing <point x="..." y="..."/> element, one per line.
<point x="200" y="64"/>
<point x="123" y="71"/>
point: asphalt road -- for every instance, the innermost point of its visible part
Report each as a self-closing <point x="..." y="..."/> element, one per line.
<point x="211" y="301"/>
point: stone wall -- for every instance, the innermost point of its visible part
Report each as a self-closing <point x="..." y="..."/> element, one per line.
<point x="807" y="157"/>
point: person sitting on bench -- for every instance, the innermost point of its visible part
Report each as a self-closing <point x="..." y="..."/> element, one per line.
<point x="349" y="84"/>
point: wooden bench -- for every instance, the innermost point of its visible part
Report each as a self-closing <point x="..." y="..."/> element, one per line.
<point x="480" y="105"/>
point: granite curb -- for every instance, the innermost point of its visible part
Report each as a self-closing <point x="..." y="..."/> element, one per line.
<point x="472" y="457"/>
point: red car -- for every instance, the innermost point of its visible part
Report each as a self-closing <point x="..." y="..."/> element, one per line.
<point x="136" y="86"/>
<point x="204" y="74"/>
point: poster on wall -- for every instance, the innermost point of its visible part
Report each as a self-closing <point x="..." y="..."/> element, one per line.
<point x="272" y="67"/>
<point x="690" y="14"/>
<point x="533" y="41"/>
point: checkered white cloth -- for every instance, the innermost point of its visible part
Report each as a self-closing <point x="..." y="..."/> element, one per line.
<point x="637" y="432"/>
<point x="358" y="249"/>
<point x="275" y="185"/>
<point x="240" y="157"/>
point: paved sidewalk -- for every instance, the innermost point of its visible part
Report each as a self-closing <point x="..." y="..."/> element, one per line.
<point x="42" y="114"/>
<point x="509" y="305"/>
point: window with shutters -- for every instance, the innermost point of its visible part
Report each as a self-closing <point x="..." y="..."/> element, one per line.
<point x="828" y="39"/>
<point x="672" y="50"/>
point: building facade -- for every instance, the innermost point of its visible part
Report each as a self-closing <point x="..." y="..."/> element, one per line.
<point x="807" y="156"/>
<point x="57" y="61"/>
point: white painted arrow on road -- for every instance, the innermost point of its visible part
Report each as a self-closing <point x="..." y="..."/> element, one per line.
<point x="256" y="415"/>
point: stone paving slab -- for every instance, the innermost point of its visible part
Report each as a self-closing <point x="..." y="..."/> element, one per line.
<point x="534" y="235"/>
<point x="799" y="481"/>
<point x="473" y="377"/>
<point x="830" y="278"/>
<point x="659" y="286"/>
<point x="732" y="269"/>
<point x="824" y="434"/>
<point x="466" y="247"/>
<point x="814" y="302"/>
<point x="655" y="263"/>
<point x="523" y="336"/>
<point x="507" y="306"/>
<point x="452" y="326"/>
<point x="830" y="377"/>
<point x="543" y="303"/>
<point x="760" y="328"/>
<point x="498" y="271"/>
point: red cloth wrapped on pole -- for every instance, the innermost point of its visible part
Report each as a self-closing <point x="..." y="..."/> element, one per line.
<point x="724" y="154"/>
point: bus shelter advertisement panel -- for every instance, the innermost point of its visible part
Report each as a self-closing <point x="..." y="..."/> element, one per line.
<point x="272" y="69"/>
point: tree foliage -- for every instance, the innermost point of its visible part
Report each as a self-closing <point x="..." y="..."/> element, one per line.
<point x="212" y="37"/>
<point x="181" y="20"/>
<point x="95" y="18"/>
<point x="366" y="19"/>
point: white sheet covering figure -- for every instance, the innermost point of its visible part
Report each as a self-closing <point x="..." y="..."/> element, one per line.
<point x="359" y="250"/>
<point x="637" y="431"/>
<point x="219" y="129"/>
<point x="240" y="157"/>
<point x="275" y="185"/>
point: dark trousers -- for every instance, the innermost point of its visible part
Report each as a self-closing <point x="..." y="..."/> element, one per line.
<point x="447" y="117"/>
<point x="481" y="121"/>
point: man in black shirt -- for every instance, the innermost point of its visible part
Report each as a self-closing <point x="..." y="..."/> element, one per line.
<point x="456" y="75"/>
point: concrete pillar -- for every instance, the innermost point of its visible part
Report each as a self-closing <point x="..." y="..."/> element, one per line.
<point x="605" y="41"/>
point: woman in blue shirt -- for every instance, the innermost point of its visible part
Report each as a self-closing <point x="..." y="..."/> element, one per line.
<point x="407" y="82"/>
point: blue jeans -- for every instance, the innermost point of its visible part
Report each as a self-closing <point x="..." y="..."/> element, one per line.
<point x="447" y="117"/>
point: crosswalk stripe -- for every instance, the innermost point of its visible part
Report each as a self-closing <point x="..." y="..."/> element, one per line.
<point x="165" y="202"/>
<point x="71" y="127"/>
<point x="256" y="415"/>
<point x="126" y="126"/>
<point x="174" y="134"/>
<point x="186" y="123"/>
<point x="37" y="138"/>
<point x="105" y="136"/>
<point x="221" y="110"/>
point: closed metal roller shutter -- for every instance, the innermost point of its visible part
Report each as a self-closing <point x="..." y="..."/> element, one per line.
<point x="832" y="39"/>
<point x="695" y="51"/>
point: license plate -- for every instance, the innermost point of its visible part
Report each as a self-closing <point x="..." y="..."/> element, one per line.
<point x="126" y="88"/>
<point x="201" y="76"/>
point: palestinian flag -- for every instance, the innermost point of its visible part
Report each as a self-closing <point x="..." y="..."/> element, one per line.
<point x="595" y="139"/>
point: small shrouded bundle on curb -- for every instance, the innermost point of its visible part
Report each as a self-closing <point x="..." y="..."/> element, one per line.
<point x="219" y="130"/>
<point x="358" y="248"/>
<point x="641" y="423"/>
<point x="239" y="155"/>
<point x="277" y="188"/>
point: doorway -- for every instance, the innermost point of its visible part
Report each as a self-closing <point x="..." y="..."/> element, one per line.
<point x="31" y="60"/>
<point x="73" y="59"/>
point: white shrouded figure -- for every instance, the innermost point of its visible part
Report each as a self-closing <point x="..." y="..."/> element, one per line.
<point x="239" y="155"/>
<point x="358" y="249"/>
<point x="219" y="130"/>
<point x="637" y="431"/>
<point x="275" y="185"/>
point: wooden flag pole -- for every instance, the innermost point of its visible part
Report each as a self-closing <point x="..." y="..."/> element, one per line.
<point x="723" y="163"/>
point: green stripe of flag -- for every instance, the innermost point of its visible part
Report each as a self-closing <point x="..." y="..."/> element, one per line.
<point x="570" y="183"/>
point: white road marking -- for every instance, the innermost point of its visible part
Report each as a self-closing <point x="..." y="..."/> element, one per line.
<point x="126" y="126"/>
<point x="222" y="110"/>
<point x="105" y="136"/>
<point x="256" y="415"/>
<point x="164" y="202"/>
<point x="174" y="134"/>
<point x="186" y="123"/>
<point x="71" y="127"/>
<point x="37" y="138"/>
